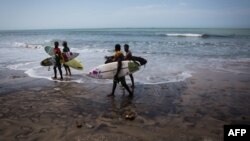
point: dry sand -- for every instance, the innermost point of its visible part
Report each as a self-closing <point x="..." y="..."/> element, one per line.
<point x="193" y="110"/>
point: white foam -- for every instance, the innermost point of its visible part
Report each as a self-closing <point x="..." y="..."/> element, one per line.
<point x="33" y="70"/>
<point x="18" y="44"/>
<point x="87" y="50"/>
<point x="168" y="79"/>
<point x="48" y="41"/>
<point x="25" y="45"/>
<point x="20" y="66"/>
<point x="184" y="35"/>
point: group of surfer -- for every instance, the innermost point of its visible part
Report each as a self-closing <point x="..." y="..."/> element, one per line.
<point x="58" y="57"/>
<point x="117" y="57"/>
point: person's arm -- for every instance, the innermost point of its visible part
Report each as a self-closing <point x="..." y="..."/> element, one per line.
<point x="108" y="59"/>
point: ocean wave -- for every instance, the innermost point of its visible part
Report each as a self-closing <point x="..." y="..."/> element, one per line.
<point x="184" y="35"/>
<point x="195" y="35"/>
<point x="88" y="50"/>
<point x="26" y="45"/>
<point x="175" y="78"/>
<point x="34" y="70"/>
<point x="21" y="66"/>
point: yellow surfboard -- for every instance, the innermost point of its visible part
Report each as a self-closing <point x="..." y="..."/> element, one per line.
<point x="75" y="64"/>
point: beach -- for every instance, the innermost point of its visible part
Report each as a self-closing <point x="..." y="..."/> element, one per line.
<point x="162" y="70"/>
<point x="195" y="82"/>
<point x="195" y="109"/>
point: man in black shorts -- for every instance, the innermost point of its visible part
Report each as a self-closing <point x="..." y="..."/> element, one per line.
<point x="119" y="57"/>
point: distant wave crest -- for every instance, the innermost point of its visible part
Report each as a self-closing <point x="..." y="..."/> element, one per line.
<point x="194" y="35"/>
<point x="25" y="45"/>
<point x="184" y="35"/>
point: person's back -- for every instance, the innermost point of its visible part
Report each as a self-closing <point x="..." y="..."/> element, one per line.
<point x="128" y="52"/>
<point x="118" y="56"/>
<point x="58" y="57"/>
<point x="129" y="57"/>
<point x="66" y="49"/>
<point x="57" y="52"/>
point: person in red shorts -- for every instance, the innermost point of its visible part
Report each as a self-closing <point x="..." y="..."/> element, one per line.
<point x="58" y="65"/>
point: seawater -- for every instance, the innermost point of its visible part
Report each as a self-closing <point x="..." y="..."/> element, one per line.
<point x="173" y="54"/>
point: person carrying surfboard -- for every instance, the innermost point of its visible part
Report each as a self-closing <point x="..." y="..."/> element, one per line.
<point x="129" y="57"/>
<point x="66" y="49"/>
<point x="119" y="57"/>
<point x="58" y="61"/>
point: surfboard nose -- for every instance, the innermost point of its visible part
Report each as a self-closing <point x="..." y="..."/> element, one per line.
<point x="90" y="74"/>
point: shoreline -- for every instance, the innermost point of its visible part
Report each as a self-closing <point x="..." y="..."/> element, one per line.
<point x="195" y="109"/>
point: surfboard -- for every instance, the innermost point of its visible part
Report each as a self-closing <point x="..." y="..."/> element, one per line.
<point x="72" y="63"/>
<point x="108" y="71"/>
<point x="75" y="64"/>
<point x="141" y="60"/>
<point x="48" y="62"/>
<point x="49" y="50"/>
<point x="66" y="55"/>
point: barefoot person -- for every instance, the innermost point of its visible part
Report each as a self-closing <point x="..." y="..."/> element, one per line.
<point x="119" y="57"/>
<point x="66" y="49"/>
<point x="129" y="57"/>
<point x="57" y="52"/>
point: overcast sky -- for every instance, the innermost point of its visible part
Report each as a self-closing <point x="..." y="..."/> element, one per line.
<point x="60" y="14"/>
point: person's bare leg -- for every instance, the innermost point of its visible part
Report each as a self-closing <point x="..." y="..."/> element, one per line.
<point x="69" y="71"/>
<point x="55" y="73"/>
<point x="124" y="84"/>
<point x="60" y="71"/>
<point x="132" y="80"/>
<point x="113" y="89"/>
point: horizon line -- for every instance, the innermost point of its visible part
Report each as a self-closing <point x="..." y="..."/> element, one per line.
<point x="125" y="28"/>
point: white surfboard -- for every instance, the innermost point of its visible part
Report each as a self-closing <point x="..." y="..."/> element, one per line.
<point x="108" y="71"/>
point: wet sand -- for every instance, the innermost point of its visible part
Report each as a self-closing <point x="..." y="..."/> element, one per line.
<point x="193" y="110"/>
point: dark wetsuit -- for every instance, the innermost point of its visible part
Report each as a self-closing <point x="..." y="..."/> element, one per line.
<point x="58" y="62"/>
